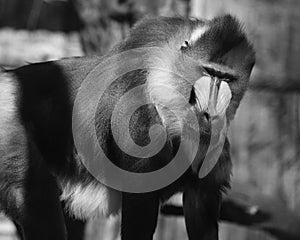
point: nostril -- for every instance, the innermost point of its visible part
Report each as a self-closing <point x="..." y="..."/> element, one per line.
<point x="206" y="116"/>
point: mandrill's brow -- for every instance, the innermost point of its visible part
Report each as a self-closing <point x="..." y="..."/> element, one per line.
<point x="221" y="73"/>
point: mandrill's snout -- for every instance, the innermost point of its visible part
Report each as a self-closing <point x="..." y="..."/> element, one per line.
<point x="204" y="120"/>
<point x="212" y="97"/>
<point x="205" y="117"/>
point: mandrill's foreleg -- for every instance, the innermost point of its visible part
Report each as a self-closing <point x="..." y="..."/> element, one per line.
<point x="201" y="211"/>
<point x="139" y="215"/>
<point x="202" y="199"/>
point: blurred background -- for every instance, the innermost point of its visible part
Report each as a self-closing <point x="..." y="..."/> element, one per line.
<point x="264" y="203"/>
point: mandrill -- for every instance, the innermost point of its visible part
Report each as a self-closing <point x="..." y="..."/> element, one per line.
<point x="125" y="132"/>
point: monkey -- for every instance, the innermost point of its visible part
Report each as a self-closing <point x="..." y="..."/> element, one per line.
<point x="42" y="162"/>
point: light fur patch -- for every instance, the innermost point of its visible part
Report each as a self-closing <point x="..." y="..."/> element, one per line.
<point x="197" y="33"/>
<point x="8" y="115"/>
<point x="170" y="78"/>
<point x="162" y="87"/>
<point x="92" y="200"/>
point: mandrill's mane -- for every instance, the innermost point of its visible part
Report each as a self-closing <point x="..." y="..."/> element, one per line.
<point x="224" y="35"/>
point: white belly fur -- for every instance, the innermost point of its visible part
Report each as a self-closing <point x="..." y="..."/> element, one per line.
<point x="92" y="200"/>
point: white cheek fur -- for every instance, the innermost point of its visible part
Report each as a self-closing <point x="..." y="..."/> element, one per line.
<point x="202" y="89"/>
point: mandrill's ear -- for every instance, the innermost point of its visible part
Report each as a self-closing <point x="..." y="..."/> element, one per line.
<point x="225" y="44"/>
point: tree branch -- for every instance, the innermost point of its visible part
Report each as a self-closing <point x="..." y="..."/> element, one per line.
<point x="264" y="82"/>
<point x="258" y="211"/>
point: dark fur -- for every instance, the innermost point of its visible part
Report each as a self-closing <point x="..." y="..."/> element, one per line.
<point x="45" y="97"/>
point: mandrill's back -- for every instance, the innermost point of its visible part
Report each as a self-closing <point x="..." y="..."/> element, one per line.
<point x="38" y="98"/>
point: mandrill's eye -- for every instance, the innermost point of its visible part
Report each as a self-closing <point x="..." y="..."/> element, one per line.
<point x="185" y="45"/>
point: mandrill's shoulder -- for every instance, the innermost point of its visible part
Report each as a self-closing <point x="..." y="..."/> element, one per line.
<point x="72" y="69"/>
<point x="61" y="77"/>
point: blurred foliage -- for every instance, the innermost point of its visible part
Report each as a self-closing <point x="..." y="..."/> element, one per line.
<point x="20" y="47"/>
<point x="54" y="15"/>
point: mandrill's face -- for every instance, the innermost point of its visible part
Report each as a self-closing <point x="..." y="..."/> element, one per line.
<point x="227" y="58"/>
<point x="206" y="64"/>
